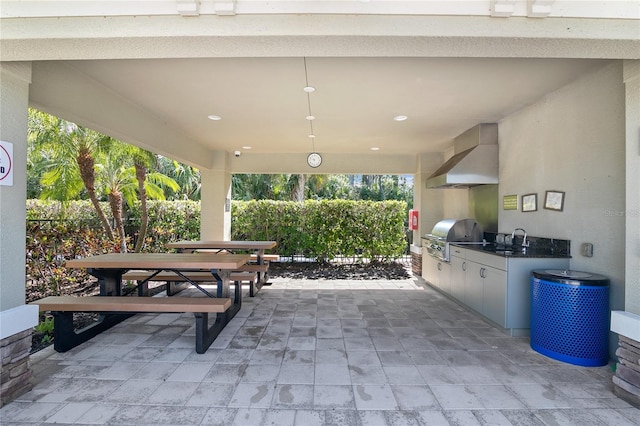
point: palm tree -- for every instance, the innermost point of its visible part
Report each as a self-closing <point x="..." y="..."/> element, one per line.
<point x="187" y="177"/>
<point x="75" y="158"/>
<point x="254" y="186"/>
<point x="149" y="185"/>
<point x="69" y="153"/>
<point x="125" y="176"/>
<point x="299" y="188"/>
<point x="111" y="173"/>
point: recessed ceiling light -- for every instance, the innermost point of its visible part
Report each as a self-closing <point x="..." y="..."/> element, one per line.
<point x="246" y="147"/>
<point x="309" y="89"/>
<point x="214" y="117"/>
<point x="311" y="136"/>
<point x="310" y="117"/>
<point x="374" y="148"/>
<point x="400" y="117"/>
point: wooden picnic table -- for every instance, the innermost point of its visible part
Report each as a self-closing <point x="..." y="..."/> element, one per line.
<point x="258" y="247"/>
<point x="218" y="246"/>
<point x="108" y="269"/>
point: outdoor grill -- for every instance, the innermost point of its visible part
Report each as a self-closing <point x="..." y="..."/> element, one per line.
<point x="451" y="231"/>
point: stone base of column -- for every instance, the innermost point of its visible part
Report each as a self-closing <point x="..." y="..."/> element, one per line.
<point x="16" y="369"/>
<point x="627" y="378"/>
<point x="416" y="264"/>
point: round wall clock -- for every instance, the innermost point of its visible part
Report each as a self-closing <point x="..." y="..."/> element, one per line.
<point x="314" y="160"/>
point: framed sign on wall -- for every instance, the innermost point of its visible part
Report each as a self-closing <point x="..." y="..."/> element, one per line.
<point x="529" y="202"/>
<point x="554" y="200"/>
<point x="510" y="202"/>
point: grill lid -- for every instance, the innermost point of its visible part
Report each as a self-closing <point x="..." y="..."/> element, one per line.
<point x="458" y="230"/>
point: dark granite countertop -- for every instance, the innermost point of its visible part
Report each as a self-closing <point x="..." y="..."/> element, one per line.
<point x="516" y="251"/>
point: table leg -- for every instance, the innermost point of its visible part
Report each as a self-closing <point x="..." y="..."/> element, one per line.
<point x="205" y="334"/>
<point x="223" y="277"/>
<point x="65" y="337"/>
<point x="260" y="260"/>
<point x="110" y="280"/>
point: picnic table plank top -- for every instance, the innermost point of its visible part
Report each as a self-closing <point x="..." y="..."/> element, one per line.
<point x="133" y="304"/>
<point x="161" y="261"/>
<point x="211" y="244"/>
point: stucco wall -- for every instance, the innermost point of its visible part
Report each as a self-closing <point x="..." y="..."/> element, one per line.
<point x="14" y="90"/>
<point x="573" y="140"/>
<point x="632" y="212"/>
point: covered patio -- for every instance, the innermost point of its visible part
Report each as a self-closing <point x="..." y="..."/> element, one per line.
<point x="319" y="352"/>
<point x="219" y="85"/>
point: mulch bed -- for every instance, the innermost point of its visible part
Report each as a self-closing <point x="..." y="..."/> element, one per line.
<point x="343" y="271"/>
<point x="293" y="270"/>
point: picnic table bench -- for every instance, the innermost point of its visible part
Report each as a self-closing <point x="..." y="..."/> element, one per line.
<point x="259" y="260"/>
<point x="63" y="307"/>
<point x="175" y="283"/>
<point x="114" y="307"/>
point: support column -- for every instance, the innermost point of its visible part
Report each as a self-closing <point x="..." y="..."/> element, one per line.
<point x="215" y="205"/>
<point x="631" y="75"/>
<point x="16" y="319"/>
<point x="627" y="323"/>
<point x="428" y="202"/>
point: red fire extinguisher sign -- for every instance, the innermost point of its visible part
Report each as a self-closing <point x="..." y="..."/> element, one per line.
<point x="413" y="219"/>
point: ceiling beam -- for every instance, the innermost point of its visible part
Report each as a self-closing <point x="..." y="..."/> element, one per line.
<point x="616" y="9"/>
<point x="117" y="117"/>
<point x="320" y="35"/>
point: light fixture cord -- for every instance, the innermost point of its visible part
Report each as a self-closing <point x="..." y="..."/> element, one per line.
<point x="306" y="78"/>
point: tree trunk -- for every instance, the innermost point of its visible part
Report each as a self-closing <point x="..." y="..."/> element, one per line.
<point x="86" y="165"/>
<point x="298" y="188"/>
<point x="115" y="201"/>
<point x="141" y="177"/>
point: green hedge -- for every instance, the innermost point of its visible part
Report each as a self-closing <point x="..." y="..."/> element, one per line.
<point x="168" y="221"/>
<point x="325" y="229"/>
<point x="322" y="230"/>
<point x="56" y="233"/>
<point x="319" y="229"/>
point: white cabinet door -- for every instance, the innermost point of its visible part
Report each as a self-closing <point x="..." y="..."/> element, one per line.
<point x="494" y="300"/>
<point x="458" y="273"/>
<point x="444" y="281"/>
<point x="473" y="286"/>
<point x="430" y="269"/>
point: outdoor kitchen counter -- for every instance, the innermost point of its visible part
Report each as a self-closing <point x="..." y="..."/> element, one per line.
<point x="516" y="252"/>
<point x="497" y="285"/>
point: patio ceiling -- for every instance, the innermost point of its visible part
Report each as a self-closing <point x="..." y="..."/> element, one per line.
<point x="262" y="104"/>
<point x="154" y="81"/>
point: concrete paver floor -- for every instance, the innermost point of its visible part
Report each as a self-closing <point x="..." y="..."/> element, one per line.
<point x="320" y="352"/>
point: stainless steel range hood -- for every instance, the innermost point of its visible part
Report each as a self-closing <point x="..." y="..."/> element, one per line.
<point x="475" y="161"/>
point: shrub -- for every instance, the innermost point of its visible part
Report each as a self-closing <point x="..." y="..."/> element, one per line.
<point x="323" y="230"/>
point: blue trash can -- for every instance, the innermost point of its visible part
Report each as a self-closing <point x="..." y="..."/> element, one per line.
<point x="570" y="316"/>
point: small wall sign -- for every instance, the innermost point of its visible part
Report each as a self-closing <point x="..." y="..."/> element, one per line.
<point x="510" y="202"/>
<point x="6" y="163"/>
<point x="554" y="200"/>
<point x="530" y="202"/>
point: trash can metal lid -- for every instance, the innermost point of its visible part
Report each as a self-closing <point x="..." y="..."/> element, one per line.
<point x="568" y="276"/>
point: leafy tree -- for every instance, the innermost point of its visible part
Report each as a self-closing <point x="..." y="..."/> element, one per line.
<point x="322" y="187"/>
<point x="68" y="160"/>
<point x="150" y="185"/>
<point x="112" y="174"/>
<point x="187" y="178"/>
<point x="125" y="176"/>
<point x="255" y="186"/>
<point x="71" y="161"/>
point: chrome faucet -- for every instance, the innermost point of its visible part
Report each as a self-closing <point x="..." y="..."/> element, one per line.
<point x="525" y="243"/>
